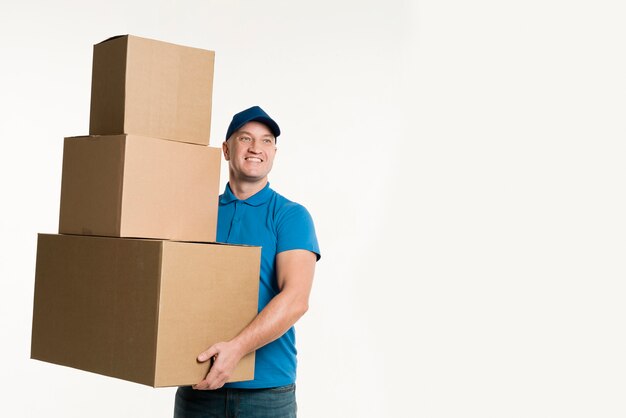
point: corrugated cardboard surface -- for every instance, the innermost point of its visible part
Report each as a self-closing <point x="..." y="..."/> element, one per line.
<point x="96" y="305"/>
<point x="108" y="87"/>
<point x="151" y="88"/>
<point x="91" y="185"/>
<point x="197" y="282"/>
<point x="141" y="310"/>
<point x="133" y="186"/>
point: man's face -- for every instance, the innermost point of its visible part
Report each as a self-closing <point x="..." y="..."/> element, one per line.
<point x="250" y="152"/>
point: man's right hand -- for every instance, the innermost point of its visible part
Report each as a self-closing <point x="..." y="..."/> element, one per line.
<point x="225" y="357"/>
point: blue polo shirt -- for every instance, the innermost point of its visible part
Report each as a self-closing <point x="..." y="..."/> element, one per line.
<point x="276" y="224"/>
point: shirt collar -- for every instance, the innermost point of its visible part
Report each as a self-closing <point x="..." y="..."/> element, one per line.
<point x="256" y="199"/>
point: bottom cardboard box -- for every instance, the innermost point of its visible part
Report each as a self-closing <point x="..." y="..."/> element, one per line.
<point x="139" y="309"/>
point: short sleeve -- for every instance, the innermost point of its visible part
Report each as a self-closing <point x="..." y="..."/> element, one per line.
<point x="296" y="231"/>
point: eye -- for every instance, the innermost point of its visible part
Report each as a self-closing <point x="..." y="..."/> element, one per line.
<point x="245" y="139"/>
<point x="267" y="141"/>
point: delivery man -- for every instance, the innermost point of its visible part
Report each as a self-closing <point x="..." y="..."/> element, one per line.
<point x="250" y="212"/>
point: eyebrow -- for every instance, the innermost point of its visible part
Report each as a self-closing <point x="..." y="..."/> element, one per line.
<point x="250" y="134"/>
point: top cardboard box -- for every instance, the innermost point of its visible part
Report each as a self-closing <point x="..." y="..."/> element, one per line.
<point x="151" y="88"/>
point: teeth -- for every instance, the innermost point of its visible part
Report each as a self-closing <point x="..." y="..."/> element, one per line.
<point x="253" y="159"/>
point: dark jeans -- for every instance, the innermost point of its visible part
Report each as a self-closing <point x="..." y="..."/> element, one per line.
<point x="277" y="402"/>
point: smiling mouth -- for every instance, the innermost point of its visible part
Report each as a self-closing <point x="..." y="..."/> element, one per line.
<point x="254" y="159"/>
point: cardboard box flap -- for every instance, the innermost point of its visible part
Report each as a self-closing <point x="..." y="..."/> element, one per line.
<point x="112" y="38"/>
<point x="129" y="36"/>
<point x="213" y="243"/>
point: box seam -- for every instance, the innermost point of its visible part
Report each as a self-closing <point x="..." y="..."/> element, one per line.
<point x="32" y="329"/>
<point x="157" y="313"/>
<point x="118" y="221"/>
<point x="61" y="194"/>
<point x="126" y="72"/>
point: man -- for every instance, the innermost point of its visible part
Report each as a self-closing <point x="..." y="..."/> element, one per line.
<point x="250" y="212"/>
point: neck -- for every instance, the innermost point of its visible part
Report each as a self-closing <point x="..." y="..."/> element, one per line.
<point x="243" y="190"/>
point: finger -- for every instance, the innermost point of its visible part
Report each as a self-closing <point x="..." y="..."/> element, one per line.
<point x="205" y="385"/>
<point x="216" y="377"/>
<point x="217" y="386"/>
<point x="206" y="355"/>
<point x="201" y="386"/>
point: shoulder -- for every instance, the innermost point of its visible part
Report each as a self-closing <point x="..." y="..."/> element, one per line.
<point x="294" y="227"/>
<point x="285" y="209"/>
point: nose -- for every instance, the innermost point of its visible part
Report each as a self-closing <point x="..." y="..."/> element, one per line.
<point x="254" y="147"/>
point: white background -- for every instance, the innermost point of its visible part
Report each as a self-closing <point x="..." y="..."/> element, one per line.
<point x="464" y="164"/>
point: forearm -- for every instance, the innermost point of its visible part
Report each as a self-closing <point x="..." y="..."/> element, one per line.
<point x="274" y="320"/>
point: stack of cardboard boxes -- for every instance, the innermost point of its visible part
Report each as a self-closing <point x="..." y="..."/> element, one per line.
<point x="134" y="286"/>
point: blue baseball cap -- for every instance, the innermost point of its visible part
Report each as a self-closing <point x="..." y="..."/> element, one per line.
<point x="255" y="113"/>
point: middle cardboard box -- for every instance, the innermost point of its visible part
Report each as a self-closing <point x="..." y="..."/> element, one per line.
<point x="139" y="187"/>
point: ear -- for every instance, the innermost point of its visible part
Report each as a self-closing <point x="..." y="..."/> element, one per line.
<point x="226" y="151"/>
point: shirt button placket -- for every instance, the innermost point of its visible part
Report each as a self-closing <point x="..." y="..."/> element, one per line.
<point x="236" y="223"/>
